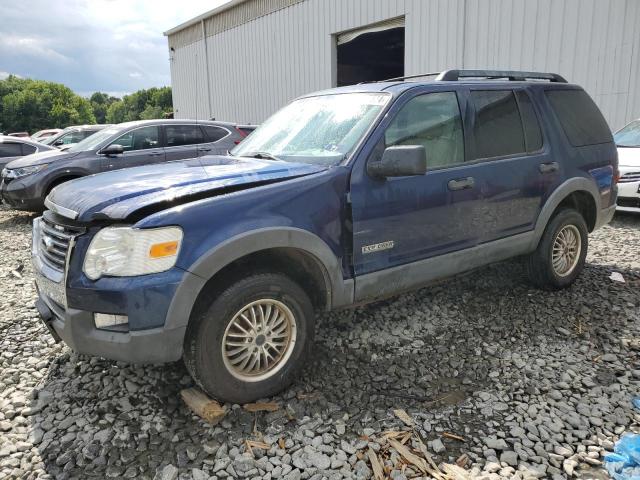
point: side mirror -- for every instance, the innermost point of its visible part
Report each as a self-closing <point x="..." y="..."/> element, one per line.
<point x="111" y="150"/>
<point x="400" y="161"/>
<point x="57" y="143"/>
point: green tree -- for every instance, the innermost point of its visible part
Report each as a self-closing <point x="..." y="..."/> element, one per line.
<point x="31" y="105"/>
<point x="141" y="105"/>
<point x="100" y="103"/>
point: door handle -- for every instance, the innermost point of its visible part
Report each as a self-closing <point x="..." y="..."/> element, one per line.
<point x="461" y="183"/>
<point x="549" y="167"/>
<point x="155" y="154"/>
<point x="202" y="149"/>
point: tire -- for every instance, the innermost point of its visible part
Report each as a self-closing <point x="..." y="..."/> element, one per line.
<point x="542" y="273"/>
<point x="219" y="370"/>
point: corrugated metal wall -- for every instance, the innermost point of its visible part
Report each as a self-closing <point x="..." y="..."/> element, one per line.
<point x="258" y="66"/>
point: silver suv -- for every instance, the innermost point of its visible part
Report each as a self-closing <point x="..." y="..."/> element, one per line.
<point x="25" y="183"/>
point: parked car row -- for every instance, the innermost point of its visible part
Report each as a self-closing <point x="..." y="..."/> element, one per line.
<point x="342" y="197"/>
<point x="25" y="183"/>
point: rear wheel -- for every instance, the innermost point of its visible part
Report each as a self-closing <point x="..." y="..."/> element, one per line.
<point x="252" y="339"/>
<point x="561" y="253"/>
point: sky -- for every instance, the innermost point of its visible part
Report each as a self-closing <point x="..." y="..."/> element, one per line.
<point x="114" y="46"/>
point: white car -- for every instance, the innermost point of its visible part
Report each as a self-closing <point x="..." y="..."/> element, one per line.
<point x="628" y="141"/>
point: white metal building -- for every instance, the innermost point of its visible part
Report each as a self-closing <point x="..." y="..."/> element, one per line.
<point x="243" y="61"/>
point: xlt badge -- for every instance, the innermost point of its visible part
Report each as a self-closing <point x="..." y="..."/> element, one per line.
<point x="377" y="247"/>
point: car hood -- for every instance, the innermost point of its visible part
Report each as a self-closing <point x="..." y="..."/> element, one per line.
<point x="40" y="158"/>
<point x="119" y="194"/>
<point x="629" y="156"/>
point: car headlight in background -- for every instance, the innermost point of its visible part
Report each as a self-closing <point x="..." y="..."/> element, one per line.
<point x="23" y="172"/>
<point x="128" y="252"/>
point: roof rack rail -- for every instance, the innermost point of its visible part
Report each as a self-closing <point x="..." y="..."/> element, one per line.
<point x="512" y="75"/>
<point x="397" y="79"/>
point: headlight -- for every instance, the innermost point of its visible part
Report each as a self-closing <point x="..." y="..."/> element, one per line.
<point x="22" y="172"/>
<point x="128" y="252"/>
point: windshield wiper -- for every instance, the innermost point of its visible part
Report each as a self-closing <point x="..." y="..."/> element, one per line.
<point x="261" y="155"/>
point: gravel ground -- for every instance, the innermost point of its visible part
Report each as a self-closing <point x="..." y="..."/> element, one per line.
<point x="538" y="384"/>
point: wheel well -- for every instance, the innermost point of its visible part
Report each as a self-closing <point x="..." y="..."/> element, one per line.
<point x="302" y="267"/>
<point x="584" y="203"/>
<point x="60" y="180"/>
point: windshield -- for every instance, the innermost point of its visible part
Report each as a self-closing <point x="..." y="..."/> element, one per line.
<point x="628" y="136"/>
<point x="92" y="141"/>
<point x="318" y="130"/>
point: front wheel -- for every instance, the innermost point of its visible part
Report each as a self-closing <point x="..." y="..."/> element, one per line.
<point x="252" y="340"/>
<point x="561" y="253"/>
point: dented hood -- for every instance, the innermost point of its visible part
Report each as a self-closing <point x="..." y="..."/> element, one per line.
<point x="119" y="194"/>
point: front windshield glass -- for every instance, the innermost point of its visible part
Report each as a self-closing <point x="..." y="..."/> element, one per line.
<point x="628" y="136"/>
<point x="92" y="141"/>
<point x="318" y="130"/>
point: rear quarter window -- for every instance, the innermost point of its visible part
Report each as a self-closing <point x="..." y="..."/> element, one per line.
<point x="580" y="117"/>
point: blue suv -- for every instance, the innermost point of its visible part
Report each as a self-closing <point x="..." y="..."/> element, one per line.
<point x="344" y="196"/>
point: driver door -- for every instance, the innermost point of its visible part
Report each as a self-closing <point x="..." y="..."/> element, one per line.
<point x="142" y="146"/>
<point x="402" y="220"/>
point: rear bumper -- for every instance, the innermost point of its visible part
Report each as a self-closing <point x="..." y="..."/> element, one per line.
<point x="77" y="329"/>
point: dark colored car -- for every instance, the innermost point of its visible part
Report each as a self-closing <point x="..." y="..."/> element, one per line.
<point x="24" y="184"/>
<point x="12" y="148"/>
<point x="74" y="134"/>
<point x="343" y="197"/>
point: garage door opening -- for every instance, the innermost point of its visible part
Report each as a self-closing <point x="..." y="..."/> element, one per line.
<point x="371" y="53"/>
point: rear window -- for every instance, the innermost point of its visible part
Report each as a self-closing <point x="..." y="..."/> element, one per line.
<point x="183" y="135"/>
<point x="579" y="116"/>
<point x="498" y="130"/>
<point x="214" y="133"/>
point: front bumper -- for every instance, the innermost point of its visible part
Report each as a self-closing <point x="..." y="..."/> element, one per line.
<point x="77" y="329"/>
<point x="629" y="197"/>
<point x="20" y="196"/>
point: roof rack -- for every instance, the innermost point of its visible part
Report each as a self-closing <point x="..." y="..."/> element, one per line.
<point x="455" y="75"/>
<point x="511" y="75"/>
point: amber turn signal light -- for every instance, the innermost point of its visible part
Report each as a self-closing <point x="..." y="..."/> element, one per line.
<point x="165" y="249"/>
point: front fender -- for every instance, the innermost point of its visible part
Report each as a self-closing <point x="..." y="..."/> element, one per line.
<point x="339" y="291"/>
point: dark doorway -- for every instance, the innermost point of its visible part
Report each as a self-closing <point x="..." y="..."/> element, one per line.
<point x="371" y="56"/>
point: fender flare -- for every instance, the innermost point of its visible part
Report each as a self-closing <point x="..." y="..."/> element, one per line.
<point x="339" y="291"/>
<point x="559" y="194"/>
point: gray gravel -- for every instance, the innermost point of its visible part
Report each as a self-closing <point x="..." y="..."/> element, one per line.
<point x="538" y="384"/>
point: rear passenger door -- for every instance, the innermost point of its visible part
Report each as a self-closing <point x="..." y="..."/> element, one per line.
<point x="515" y="167"/>
<point x="183" y="141"/>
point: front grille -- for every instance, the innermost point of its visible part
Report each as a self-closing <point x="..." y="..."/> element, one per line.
<point x="55" y="240"/>
<point x="629" y="202"/>
<point x="630" y="177"/>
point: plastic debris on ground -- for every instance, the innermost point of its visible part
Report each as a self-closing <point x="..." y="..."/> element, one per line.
<point x="636" y="402"/>
<point x="624" y="462"/>
<point x="616" y="277"/>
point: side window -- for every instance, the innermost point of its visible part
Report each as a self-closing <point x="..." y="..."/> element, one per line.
<point x="579" y="116"/>
<point x="498" y="130"/>
<point x="183" y="135"/>
<point x="532" y="132"/>
<point x="28" y="149"/>
<point x="214" y="133"/>
<point x="10" y="149"/>
<point x="432" y="120"/>
<point x="139" y="139"/>
<point x="71" y="137"/>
